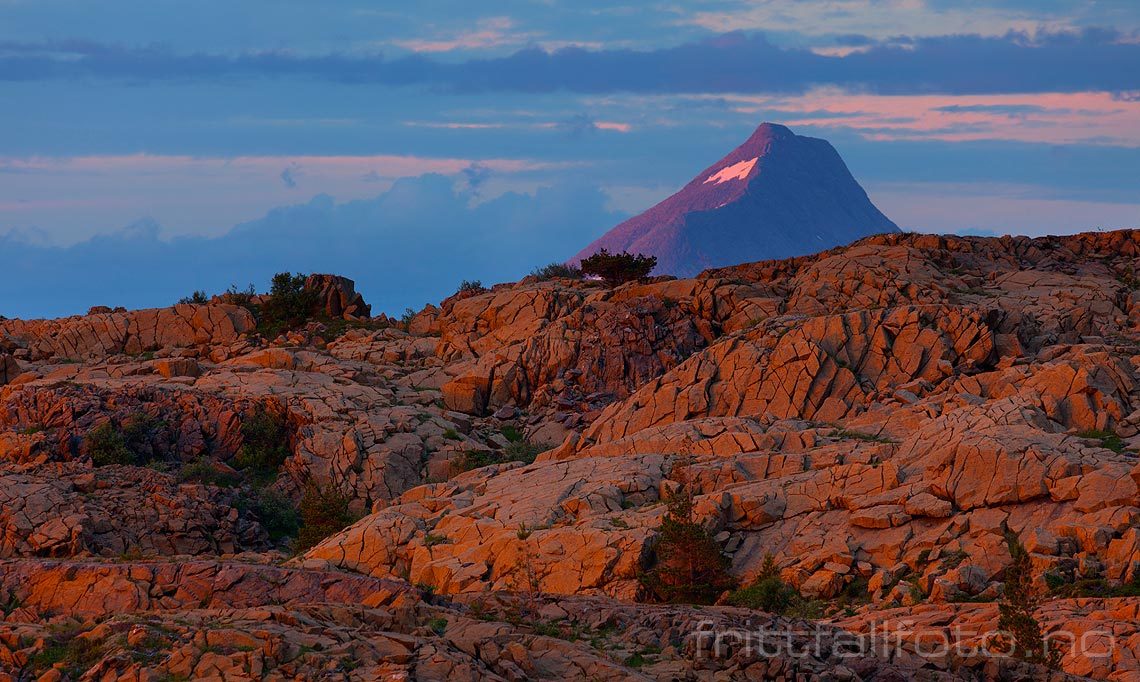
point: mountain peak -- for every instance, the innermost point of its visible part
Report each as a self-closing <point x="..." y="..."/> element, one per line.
<point x="776" y="195"/>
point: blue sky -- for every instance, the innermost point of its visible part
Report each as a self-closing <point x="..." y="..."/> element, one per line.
<point x="195" y="145"/>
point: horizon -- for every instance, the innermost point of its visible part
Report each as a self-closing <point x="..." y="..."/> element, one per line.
<point x="218" y="145"/>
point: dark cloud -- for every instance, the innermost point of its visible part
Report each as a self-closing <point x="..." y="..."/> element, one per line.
<point x="475" y="174"/>
<point x="578" y="125"/>
<point x="1009" y="109"/>
<point x="1091" y="59"/>
<point x="409" y="246"/>
<point x="289" y="177"/>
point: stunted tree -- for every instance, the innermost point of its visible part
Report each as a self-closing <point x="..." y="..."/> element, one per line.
<point x="289" y="305"/>
<point x="618" y="268"/>
<point x="689" y="567"/>
<point x="1021" y="634"/>
<point x="324" y="511"/>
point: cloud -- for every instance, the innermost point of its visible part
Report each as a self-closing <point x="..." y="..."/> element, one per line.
<point x="288" y="176"/>
<point x="575" y="125"/>
<point x="489" y="33"/>
<point x="475" y="176"/>
<point x="408" y="246"/>
<point x="1013" y="62"/>
<point x="78" y="196"/>
<point x="1053" y="118"/>
<point x="876" y="18"/>
<point x="996" y="209"/>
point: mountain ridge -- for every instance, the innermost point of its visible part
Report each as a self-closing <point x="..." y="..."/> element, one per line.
<point x="777" y="195"/>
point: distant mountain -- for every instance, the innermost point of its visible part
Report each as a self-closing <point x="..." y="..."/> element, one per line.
<point x="777" y="195"/>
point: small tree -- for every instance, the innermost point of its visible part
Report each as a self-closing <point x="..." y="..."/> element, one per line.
<point x="289" y="304"/>
<point x="555" y="271"/>
<point x="107" y="445"/>
<point x="1020" y="632"/>
<point x="324" y="511"/>
<point x="690" y="567"/>
<point x="197" y="298"/>
<point x="618" y="268"/>
<point x="768" y="592"/>
<point x="234" y="296"/>
<point x="265" y="442"/>
<point x="471" y="287"/>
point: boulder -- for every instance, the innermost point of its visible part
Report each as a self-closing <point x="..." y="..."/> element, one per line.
<point x="337" y="296"/>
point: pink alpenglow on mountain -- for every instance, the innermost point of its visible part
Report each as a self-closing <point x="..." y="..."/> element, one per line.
<point x="775" y="196"/>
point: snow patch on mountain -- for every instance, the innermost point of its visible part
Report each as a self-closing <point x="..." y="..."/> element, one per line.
<point x="737" y="171"/>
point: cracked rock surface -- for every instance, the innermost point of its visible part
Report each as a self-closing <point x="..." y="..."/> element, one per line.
<point x="874" y="417"/>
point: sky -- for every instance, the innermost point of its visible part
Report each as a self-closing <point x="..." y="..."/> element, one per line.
<point x="153" y="147"/>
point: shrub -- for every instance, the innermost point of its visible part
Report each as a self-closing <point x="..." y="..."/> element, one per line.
<point x="74" y="655"/>
<point x="196" y="298"/>
<point x="472" y="459"/>
<point x="1108" y="439"/>
<point x="522" y="451"/>
<point x="471" y="287"/>
<point x="618" y="268"/>
<point x="324" y="511"/>
<point x="276" y="513"/>
<point x="289" y="304"/>
<point x="265" y="442"/>
<point x="406" y="318"/>
<point x="1020" y="632"/>
<point x="690" y="567"/>
<point x="129" y="443"/>
<point x="511" y="433"/>
<point x="555" y="271"/>
<point x="243" y="298"/>
<point x="768" y="592"/>
<point x="516" y="451"/>
<point x="106" y="445"/>
<point x="433" y="539"/>
<point x="206" y="472"/>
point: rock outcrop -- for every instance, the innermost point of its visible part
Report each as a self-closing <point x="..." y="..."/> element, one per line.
<point x="875" y="418"/>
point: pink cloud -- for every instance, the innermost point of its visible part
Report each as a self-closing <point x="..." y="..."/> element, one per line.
<point x="1056" y="118"/>
<point x="613" y="125"/>
<point x="389" y="165"/>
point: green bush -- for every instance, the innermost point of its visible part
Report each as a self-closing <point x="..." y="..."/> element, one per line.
<point x="438" y="625"/>
<point x="128" y="443"/>
<point x="768" y="592"/>
<point x="265" y="442"/>
<point x="471" y="287"/>
<point x="276" y="514"/>
<point x="324" y="511"/>
<point x="73" y="654"/>
<point x="244" y="298"/>
<point x="618" y="268"/>
<point x="289" y="304"/>
<point x="522" y="451"/>
<point x="196" y="298"/>
<point x="206" y="472"/>
<point x="556" y="271"/>
<point x="1108" y="439"/>
<point x="690" y="567"/>
<point x="516" y="451"/>
<point x="473" y="459"/>
<point x="107" y="445"/>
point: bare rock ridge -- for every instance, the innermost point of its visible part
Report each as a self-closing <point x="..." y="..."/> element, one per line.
<point x="775" y="196"/>
<point x="875" y="417"/>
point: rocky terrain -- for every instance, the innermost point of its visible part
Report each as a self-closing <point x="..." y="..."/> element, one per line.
<point x="875" y="419"/>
